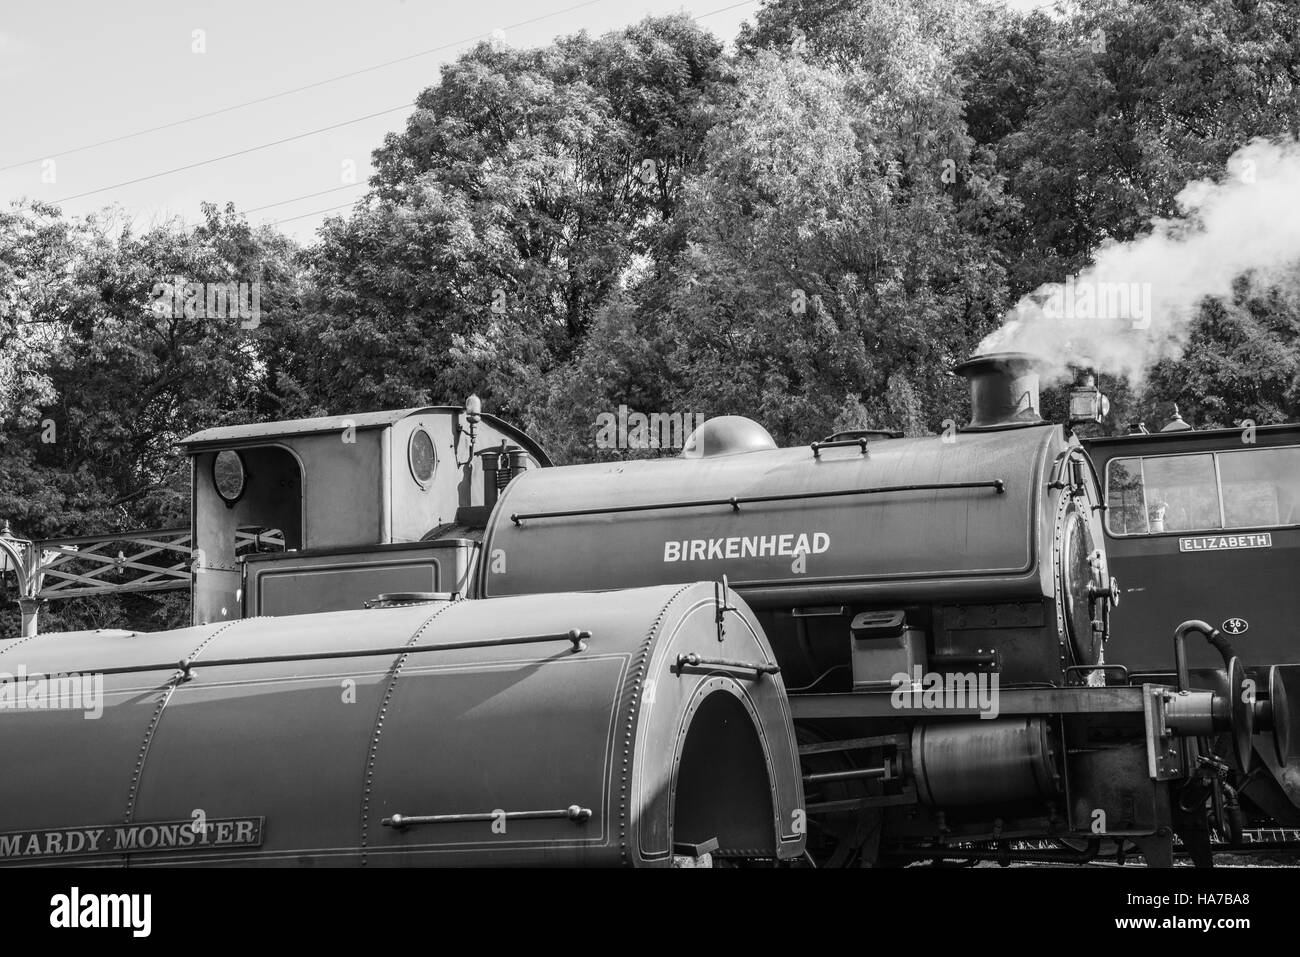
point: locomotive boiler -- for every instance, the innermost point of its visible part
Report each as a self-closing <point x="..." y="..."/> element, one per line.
<point x="939" y="607"/>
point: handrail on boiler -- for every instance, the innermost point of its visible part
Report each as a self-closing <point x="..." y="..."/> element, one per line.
<point x="576" y="636"/>
<point x="736" y="501"/>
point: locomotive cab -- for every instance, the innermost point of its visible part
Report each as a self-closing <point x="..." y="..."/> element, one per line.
<point x="325" y="514"/>
<point x="1208" y="522"/>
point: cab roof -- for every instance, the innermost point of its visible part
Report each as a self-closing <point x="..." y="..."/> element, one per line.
<point x="234" y="436"/>
<point x="1188" y="437"/>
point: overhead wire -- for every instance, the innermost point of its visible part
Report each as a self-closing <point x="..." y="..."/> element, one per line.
<point x="297" y="89"/>
<point x="733" y="6"/>
<point x="289" y="219"/>
<point x="226" y="156"/>
<point x="306" y="133"/>
<point x="282" y="202"/>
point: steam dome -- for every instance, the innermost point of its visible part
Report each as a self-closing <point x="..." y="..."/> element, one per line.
<point x="727" y="435"/>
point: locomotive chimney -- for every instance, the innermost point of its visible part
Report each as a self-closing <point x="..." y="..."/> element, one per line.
<point x="1003" y="389"/>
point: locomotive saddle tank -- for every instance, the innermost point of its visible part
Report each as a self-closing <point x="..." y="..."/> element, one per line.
<point x="558" y="730"/>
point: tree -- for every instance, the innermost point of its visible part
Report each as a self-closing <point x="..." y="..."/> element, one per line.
<point x="525" y="186"/>
<point x="124" y="368"/>
<point x="35" y="254"/>
<point x="838" y="259"/>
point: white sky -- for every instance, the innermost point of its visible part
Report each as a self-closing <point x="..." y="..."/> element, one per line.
<point x="75" y="72"/>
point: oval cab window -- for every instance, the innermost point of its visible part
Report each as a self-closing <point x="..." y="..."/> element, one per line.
<point x="422" y="457"/>
<point x="228" y="475"/>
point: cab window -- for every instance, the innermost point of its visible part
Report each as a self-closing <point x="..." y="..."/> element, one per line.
<point x="1247" y="488"/>
<point x="1126" y="510"/>
<point x="1260" y="487"/>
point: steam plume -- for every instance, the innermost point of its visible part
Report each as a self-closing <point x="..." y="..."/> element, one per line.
<point x="1136" y="304"/>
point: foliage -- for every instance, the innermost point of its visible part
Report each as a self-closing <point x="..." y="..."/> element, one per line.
<point x="112" y="380"/>
<point x="1098" y="122"/>
<point x="526" y="186"/>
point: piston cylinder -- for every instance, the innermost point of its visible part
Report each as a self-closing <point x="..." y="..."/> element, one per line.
<point x="979" y="762"/>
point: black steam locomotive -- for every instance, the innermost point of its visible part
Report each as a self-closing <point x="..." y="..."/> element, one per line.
<point x="898" y="580"/>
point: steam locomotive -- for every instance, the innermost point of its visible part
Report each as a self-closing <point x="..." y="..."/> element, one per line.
<point x="871" y="649"/>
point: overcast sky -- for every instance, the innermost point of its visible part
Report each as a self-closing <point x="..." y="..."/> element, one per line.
<point x="76" y="72"/>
